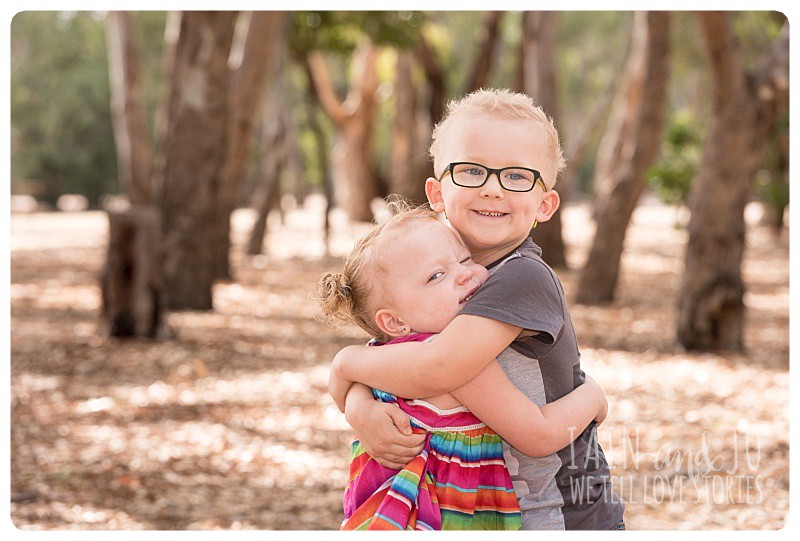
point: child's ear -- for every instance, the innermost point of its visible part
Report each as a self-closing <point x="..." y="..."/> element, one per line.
<point x="433" y="189"/>
<point x="389" y="323"/>
<point x="548" y="206"/>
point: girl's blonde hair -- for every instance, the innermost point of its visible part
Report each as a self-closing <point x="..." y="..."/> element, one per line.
<point x="344" y="296"/>
<point x="504" y="104"/>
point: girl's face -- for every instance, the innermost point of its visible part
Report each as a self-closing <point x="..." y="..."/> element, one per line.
<point x="428" y="277"/>
<point x="493" y="221"/>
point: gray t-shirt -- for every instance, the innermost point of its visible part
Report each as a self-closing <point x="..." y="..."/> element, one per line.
<point x="572" y="488"/>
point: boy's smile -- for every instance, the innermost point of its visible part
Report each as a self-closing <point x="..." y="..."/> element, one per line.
<point x="491" y="220"/>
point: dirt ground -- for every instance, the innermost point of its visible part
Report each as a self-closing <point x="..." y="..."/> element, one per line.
<point x="229" y="425"/>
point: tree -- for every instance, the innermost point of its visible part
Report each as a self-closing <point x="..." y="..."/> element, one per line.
<point x="252" y="54"/>
<point x="409" y="164"/>
<point x="131" y="279"/>
<point x="629" y="147"/>
<point x="437" y="76"/>
<point x="538" y="73"/>
<point x="488" y="34"/>
<point x="134" y="155"/>
<point x="275" y="121"/>
<point x="354" y="118"/>
<point x="351" y="41"/>
<point x="190" y="175"/>
<point x="746" y="106"/>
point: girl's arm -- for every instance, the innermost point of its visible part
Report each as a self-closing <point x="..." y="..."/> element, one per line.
<point x="531" y="430"/>
<point x="383" y="429"/>
<point x="424" y="369"/>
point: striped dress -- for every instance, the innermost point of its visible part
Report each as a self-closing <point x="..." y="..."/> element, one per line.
<point x="458" y="482"/>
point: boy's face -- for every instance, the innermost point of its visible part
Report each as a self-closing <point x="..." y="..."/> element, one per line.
<point x="491" y="220"/>
<point x="429" y="276"/>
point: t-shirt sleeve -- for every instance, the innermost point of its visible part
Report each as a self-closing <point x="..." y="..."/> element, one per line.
<point x="523" y="292"/>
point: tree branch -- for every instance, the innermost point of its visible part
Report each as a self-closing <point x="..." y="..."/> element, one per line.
<point x="483" y="63"/>
<point x="324" y="87"/>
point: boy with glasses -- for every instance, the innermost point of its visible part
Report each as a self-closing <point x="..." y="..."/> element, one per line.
<point x="496" y="156"/>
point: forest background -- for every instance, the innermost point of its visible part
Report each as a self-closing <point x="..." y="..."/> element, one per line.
<point x="163" y="338"/>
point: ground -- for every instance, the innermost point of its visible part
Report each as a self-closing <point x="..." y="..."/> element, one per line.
<point x="229" y="425"/>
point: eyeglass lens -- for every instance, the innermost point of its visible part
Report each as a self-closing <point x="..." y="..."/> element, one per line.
<point x="474" y="175"/>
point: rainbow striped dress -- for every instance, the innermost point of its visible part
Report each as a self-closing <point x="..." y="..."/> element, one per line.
<point x="458" y="482"/>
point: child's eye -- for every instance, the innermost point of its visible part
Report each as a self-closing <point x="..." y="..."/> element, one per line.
<point x="435" y="276"/>
<point x="466" y="260"/>
<point x="517" y="174"/>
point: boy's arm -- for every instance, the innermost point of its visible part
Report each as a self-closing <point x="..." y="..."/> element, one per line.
<point x="383" y="429"/>
<point x="531" y="430"/>
<point x="424" y="369"/>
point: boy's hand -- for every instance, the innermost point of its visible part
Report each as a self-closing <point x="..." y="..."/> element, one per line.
<point x="384" y="429"/>
<point x="603" y="410"/>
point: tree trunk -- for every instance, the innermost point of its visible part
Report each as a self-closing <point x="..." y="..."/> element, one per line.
<point x="636" y="141"/>
<point x="404" y="167"/>
<point x="258" y="39"/>
<point x="271" y="171"/>
<point x="434" y="78"/>
<point x="160" y="123"/>
<point x="538" y="60"/>
<point x="578" y="141"/>
<point x="353" y="160"/>
<point x="321" y="147"/>
<point x="489" y="35"/>
<point x="191" y="175"/>
<point x="131" y="281"/>
<point x="273" y="161"/>
<point x="128" y="115"/>
<point x="711" y="308"/>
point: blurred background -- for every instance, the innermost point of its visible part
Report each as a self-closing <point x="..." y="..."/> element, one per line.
<point x="179" y="181"/>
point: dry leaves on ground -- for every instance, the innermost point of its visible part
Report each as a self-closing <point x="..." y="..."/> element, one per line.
<point x="229" y="425"/>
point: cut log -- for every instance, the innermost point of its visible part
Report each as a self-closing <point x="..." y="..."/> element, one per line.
<point x="131" y="280"/>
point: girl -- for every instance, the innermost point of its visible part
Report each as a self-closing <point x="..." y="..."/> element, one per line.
<point x="405" y="281"/>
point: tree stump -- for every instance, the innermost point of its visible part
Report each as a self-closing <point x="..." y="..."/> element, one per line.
<point x="131" y="280"/>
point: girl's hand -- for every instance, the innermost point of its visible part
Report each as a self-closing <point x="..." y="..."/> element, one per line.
<point x="338" y="385"/>
<point x="384" y="429"/>
<point x="603" y="410"/>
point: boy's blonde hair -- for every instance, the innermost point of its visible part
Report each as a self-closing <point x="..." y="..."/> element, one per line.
<point x="503" y="104"/>
<point x="345" y="296"/>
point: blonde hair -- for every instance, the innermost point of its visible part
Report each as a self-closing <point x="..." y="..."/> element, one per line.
<point x="502" y="104"/>
<point x="344" y="296"/>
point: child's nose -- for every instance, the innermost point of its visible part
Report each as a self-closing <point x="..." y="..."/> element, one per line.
<point x="492" y="188"/>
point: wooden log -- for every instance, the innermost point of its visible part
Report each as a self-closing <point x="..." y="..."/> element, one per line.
<point x="131" y="280"/>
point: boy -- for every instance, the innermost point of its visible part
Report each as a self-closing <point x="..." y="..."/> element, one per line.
<point x="496" y="156"/>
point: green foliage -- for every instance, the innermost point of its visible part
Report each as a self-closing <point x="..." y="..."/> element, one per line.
<point x="341" y="31"/>
<point x="61" y="131"/>
<point x="772" y="182"/>
<point x="60" y="116"/>
<point x="671" y="177"/>
<point x="756" y="31"/>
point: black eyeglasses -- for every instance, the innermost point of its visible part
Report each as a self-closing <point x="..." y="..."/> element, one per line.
<point x="475" y="175"/>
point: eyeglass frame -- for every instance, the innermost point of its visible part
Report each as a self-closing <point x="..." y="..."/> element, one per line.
<point x="537" y="176"/>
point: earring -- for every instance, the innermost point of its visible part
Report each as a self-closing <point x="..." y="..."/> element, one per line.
<point x="534" y="224"/>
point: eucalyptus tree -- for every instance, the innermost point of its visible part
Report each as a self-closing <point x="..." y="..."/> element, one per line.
<point x="629" y="147"/>
<point x="747" y="103"/>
